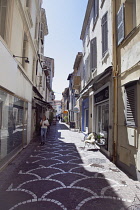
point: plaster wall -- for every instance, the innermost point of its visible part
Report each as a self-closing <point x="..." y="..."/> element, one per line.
<point x="11" y="77"/>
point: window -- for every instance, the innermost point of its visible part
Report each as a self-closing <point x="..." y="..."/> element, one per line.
<point x="95" y="10"/>
<point x="28" y="3"/>
<point x="84" y="47"/>
<point x="131" y="107"/>
<point x="42" y="32"/>
<point x="24" y="50"/>
<point x="6" y="9"/>
<point x="3" y="11"/>
<point x="93" y="54"/>
<point x="120" y="24"/>
<point x="104" y="34"/>
<point x="126" y="19"/>
<point x="88" y="32"/>
<point x="130" y="15"/>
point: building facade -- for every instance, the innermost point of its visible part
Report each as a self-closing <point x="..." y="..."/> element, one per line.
<point x="127" y="20"/>
<point x="23" y="26"/>
<point x="97" y="82"/>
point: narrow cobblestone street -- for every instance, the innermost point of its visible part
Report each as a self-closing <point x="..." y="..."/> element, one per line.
<point x="63" y="174"/>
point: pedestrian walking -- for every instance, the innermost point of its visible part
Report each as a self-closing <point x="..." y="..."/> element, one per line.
<point x="44" y="124"/>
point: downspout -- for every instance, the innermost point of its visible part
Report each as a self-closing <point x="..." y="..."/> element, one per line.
<point x="115" y="82"/>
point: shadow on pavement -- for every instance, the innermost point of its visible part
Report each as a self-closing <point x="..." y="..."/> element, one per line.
<point x="55" y="177"/>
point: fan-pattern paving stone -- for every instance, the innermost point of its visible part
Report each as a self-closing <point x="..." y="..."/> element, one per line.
<point x="63" y="175"/>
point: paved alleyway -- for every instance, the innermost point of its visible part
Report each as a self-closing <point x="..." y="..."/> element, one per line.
<point x="62" y="175"/>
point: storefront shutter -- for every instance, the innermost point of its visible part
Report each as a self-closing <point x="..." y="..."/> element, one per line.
<point x="120" y="24"/>
<point x="131" y="106"/>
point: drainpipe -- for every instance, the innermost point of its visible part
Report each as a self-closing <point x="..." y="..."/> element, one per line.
<point x="115" y="82"/>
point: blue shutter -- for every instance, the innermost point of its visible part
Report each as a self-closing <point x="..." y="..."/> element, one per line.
<point x="120" y="24"/>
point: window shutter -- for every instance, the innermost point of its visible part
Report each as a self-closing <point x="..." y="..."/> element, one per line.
<point x="95" y="10"/>
<point x="93" y="57"/>
<point x="104" y="34"/>
<point x="3" y="9"/>
<point x="95" y="53"/>
<point x="131" y="106"/>
<point x="120" y="24"/>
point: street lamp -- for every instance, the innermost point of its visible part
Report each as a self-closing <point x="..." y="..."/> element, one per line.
<point x="26" y="58"/>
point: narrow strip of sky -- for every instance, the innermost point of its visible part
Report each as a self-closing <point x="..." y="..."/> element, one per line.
<point x="65" y="20"/>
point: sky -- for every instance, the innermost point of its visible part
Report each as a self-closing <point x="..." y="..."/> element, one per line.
<point x="64" y="19"/>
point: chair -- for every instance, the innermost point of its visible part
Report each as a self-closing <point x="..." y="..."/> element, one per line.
<point x="91" y="140"/>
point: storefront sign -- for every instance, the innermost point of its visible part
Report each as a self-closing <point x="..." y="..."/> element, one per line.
<point x="102" y="95"/>
<point x="65" y="112"/>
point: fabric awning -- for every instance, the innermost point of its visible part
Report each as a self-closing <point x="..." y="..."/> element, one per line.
<point x="43" y="103"/>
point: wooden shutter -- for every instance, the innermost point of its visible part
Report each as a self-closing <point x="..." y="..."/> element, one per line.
<point x="3" y="10"/>
<point x="104" y="34"/>
<point x="120" y="24"/>
<point x="131" y="105"/>
<point x="95" y="10"/>
<point x="93" y="54"/>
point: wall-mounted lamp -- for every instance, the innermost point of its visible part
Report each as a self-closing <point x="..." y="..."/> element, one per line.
<point x="26" y="58"/>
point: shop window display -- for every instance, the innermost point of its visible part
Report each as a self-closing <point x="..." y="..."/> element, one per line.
<point x="13" y="123"/>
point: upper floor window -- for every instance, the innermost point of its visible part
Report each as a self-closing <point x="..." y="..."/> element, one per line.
<point x="25" y="49"/>
<point x="3" y="11"/>
<point x="104" y="34"/>
<point x="88" y="32"/>
<point x="93" y="54"/>
<point x="28" y="3"/>
<point x="6" y="9"/>
<point x="126" y="19"/>
<point x="95" y="10"/>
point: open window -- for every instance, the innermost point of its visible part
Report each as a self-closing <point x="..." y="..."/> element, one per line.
<point x="130" y="16"/>
<point x="126" y="19"/>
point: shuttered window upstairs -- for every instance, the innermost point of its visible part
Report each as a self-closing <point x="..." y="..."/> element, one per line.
<point x="6" y="8"/>
<point x="120" y="24"/>
<point x="104" y="34"/>
<point x="93" y="54"/>
<point x="95" y="11"/>
<point x="3" y="9"/>
<point x="131" y="108"/>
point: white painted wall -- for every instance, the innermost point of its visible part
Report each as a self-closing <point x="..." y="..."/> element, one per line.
<point x="11" y="77"/>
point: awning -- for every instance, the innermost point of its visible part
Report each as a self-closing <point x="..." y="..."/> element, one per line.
<point x="95" y="80"/>
<point x="43" y="103"/>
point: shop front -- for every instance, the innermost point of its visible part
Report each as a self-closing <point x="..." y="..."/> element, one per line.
<point x="101" y="100"/>
<point x="13" y="125"/>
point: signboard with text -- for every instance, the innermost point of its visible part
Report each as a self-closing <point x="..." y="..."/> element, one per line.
<point x="102" y="95"/>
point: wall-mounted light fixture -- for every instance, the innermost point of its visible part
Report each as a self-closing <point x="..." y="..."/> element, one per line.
<point x="26" y="58"/>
